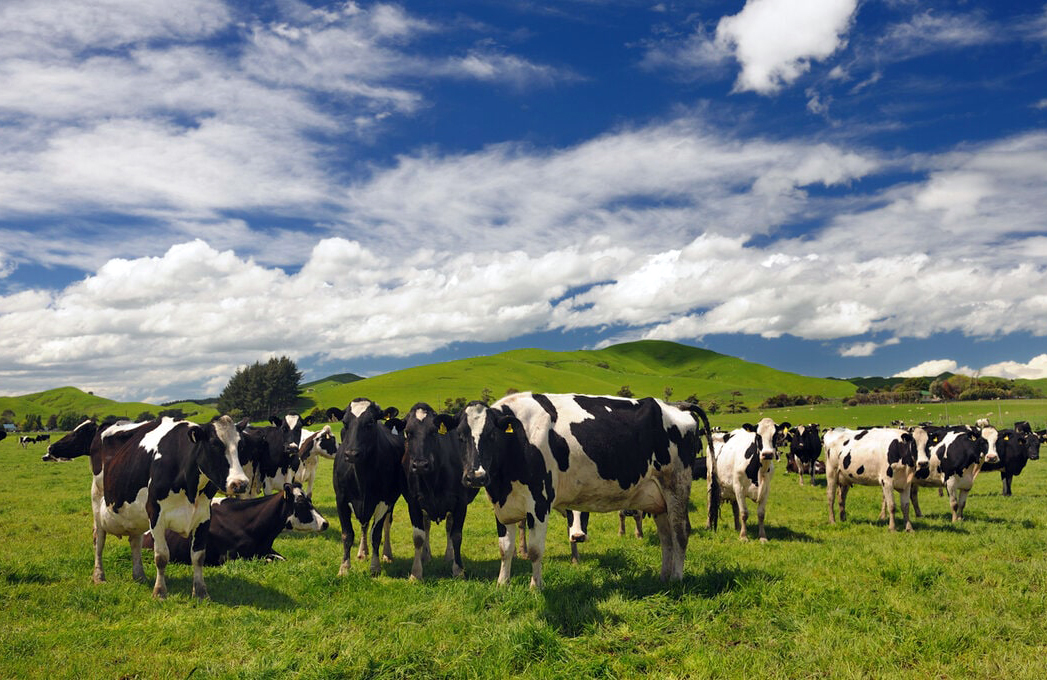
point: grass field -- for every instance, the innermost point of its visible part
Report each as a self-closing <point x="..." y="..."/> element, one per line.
<point x="843" y="601"/>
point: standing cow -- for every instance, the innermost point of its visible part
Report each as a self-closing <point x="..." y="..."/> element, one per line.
<point x="311" y="448"/>
<point x="950" y="459"/>
<point x="882" y="457"/>
<point x="744" y="465"/>
<point x="805" y="446"/>
<point x="536" y="453"/>
<point x="368" y="477"/>
<point x="269" y="454"/>
<point x="1012" y="453"/>
<point x="155" y="477"/>
<point x="432" y="467"/>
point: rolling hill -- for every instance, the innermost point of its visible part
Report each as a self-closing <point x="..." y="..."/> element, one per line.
<point x="647" y="367"/>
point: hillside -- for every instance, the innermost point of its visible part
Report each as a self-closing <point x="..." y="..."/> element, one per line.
<point x="64" y="400"/>
<point x="648" y="367"/>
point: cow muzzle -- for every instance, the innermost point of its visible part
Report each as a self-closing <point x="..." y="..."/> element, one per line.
<point x="421" y="467"/>
<point x="992" y="457"/>
<point x="475" y="480"/>
<point x="769" y="455"/>
<point x="235" y="487"/>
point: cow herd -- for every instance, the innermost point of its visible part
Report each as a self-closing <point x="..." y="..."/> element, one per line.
<point x="534" y="454"/>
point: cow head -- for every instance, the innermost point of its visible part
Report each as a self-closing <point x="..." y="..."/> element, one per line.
<point x="991" y="451"/>
<point x="76" y="443"/>
<point x="216" y="451"/>
<point x="924" y="442"/>
<point x="768" y="437"/>
<point x="322" y="442"/>
<point x="484" y="435"/>
<point x="289" y="429"/>
<point x="362" y="428"/>
<point x="422" y="430"/>
<point x="303" y="516"/>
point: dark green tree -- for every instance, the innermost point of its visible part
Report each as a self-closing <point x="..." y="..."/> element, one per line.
<point x="625" y="392"/>
<point x="52" y="422"/>
<point x="144" y="416"/>
<point x="32" y="423"/>
<point x="261" y="390"/>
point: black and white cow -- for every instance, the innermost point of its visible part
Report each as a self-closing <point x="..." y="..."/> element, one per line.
<point x="26" y="439"/>
<point x="745" y="465"/>
<point x="269" y="454"/>
<point x="951" y="460"/>
<point x="536" y="453"/>
<point x="245" y="528"/>
<point x="1012" y="449"/>
<point x="805" y="447"/>
<point x="434" y="491"/>
<point x="311" y="448"/>
<point x="368" y="476"/>
<point x="1033" y="440"/>
<point x="883" y="457"/>
<point x="155" y="476"/>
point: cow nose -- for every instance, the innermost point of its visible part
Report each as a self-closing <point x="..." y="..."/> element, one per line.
<point x="767" y="455"/>
<point x="474" y="480"/>
<point x="420" y="466"/>
<point x="324" y="525"/>
<point x="236" y="487"/>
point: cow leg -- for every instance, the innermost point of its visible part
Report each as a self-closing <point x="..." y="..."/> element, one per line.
<point x="420" y="535"/>
<point x="737" y="520"/>
<point x="1006" y="485"/>
<point x="843" y="502"/>
<point x="888" y="499"/>
<point x="99" y="572"/>
<point x="799" y="469"/>
<point x="523" y="540"/>
<point x="427" y="552"/>
<point x="345" y="518"/>
<point x="506" y="548"/>
<point x="962" y="501"/>
<point x="675" y="528"/>
<point x="363" y="551"/>
<point x="137" y="570"/>
<point x="377" y="527"/>
<point x="830" y="491"/>
<point x="536" y="549"/>
<point x="761" y="509"/>
<point x="914" y="492"/>
<point x="577" y="524"/>
<point x="198" y="552"/>
<point x="161" y="556"/>
<point x="387" y="544"/>
<point x="905" y="495"/>
<point x="455" y="523"/>
<point x="741" y="515"/>
<point x="621" y="522"/>
<point x="639" y="523"/>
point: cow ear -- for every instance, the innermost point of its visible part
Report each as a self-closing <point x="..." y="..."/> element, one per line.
<point x="197" y="434"/>
<point x="786" y="426"/>
<point x="749" y="427"/>
<point x="445" y="423"/>
<point x="288" y="492"/>
<point x="308" y="420"/>
<point x="240" y="426"/>
<point x="390" y="412"/>
<point x="508" y="424"/>
<point x="335" y="413"/>
<point x="273" y="420"/>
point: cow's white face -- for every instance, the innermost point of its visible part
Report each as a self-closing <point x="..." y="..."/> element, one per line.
<point x="991" y="435"/>
<point x="229" y="436"/>
<point x="304" y="516"/>
<point x="765" y="435"/>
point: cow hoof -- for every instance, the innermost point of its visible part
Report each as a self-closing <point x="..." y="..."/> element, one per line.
<point x="160" y="593"/>
<point x="456" y="572"/>
<point x="763" y="539"/>
<point x="140" y="578"/>
<point x="412" y="577"/>
<point x="98" y="577"/>
<point x="743" y="539"/>
<point x="343" y="569"/>
<point x="387" y="559"/>
<point x="201" y="594"/>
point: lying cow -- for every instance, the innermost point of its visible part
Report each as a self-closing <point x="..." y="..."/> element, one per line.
<point x="882" y="457"/>
<point x="536" y="453"/>
<point x="245" y="528"/>
<point x="745" y="464"/>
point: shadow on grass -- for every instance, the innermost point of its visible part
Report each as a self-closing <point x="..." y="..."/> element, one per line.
<point x="231" y="590"/>
<point x="23" y="576"/>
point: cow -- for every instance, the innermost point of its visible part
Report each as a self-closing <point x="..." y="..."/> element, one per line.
<point x="245" y="528"/>
<point x="3" y="433"/>
<point x="744" y="465"/>
<point x="951" y="459"/>
<point x="432" y="468"/>
<point x="884" y="457"/>
<point x="805" y="446"/>
<point x="1012" y="449"/>
<point x="162" y="475"/>
<point x="26" y="440"/>
<point x="535" y="453"/>
<point x="312" y="446"/>
<point x="1032" y="439"/>
<point x="368" y="476"/>
<point x="269" y="453"/>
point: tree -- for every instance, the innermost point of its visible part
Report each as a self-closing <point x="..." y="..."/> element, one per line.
<point x="175" y="413"/>
<point x="69" y="421"/>
<point x="8" y="416"/>
<point x="668" y="392"/>
<point x="485" y="395"/>
<point x="625" y="392"/>
<point x="32" y="423"/>
<point x="261" y="390"/>
<point x="144" y="416"/>
<point x="52" y="422"/>
<point x="454" y="405"/>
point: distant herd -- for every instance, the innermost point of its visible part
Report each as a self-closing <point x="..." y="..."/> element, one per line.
<point x="203" y="494"/>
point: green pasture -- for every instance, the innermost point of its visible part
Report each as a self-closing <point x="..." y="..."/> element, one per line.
<point x="843" y="601"/>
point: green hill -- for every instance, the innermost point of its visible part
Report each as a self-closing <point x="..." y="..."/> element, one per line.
<point x="62" y="400"/>
<point x="648" y="367"/>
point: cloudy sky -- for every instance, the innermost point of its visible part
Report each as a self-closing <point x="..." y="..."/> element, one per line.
<point x="831" y="187"/>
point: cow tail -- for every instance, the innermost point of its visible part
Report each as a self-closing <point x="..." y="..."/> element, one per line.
<point x="712" y="482"/>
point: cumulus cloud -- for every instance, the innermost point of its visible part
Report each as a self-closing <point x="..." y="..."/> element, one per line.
<point x="866" y="349"/>
<point x="934" y="367"/>
<point x="1034" y="369"/>
<point x="776" y="40"/>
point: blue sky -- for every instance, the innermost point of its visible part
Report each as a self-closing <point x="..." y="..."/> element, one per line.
<point x="830" y="187"/>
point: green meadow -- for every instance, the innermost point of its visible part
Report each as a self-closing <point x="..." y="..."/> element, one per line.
<point x="843" y="601"/>
<point x="849" y="600"/>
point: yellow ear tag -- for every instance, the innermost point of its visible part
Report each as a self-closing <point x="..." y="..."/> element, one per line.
<point x="1007" y="437"/>
<point x="442" y="430"/>
<point x="509" y="429"/>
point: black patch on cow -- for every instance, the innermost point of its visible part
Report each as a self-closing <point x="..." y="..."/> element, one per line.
<point x="847" y="460"/>
<point x="860" y="435"/>
<point x="752" y="469"/>
<point x="623" y="437"/>
<point x="860" y="470"/>
<point x="922" y="473"/>
<point x="546" y="405"/>
<point x="560" y="449"/>
<point x="530" y="521"/>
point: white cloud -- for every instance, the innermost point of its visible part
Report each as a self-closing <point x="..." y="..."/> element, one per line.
<point x="866" y="349"/>
<point x="1036" y="368"/>
<point x="776" y="40"/>
<point x="930" y="32"/>
<point x="932" y="368"/>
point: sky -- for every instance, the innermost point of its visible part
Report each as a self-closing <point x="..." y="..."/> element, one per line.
<point x="829" y="187"/>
